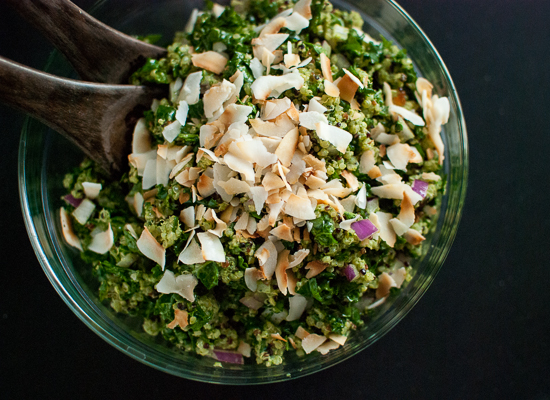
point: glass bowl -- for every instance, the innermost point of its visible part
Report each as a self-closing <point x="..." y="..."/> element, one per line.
<point x="41" y="171"/>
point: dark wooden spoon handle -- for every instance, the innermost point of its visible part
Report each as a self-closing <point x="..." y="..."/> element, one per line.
<point x="97" y="117"/>
<point x="98" y="52"/>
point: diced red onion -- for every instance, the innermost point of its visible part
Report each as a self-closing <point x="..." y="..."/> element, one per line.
<point x="251" y="302"/>
<point x="364" y="228"/>
<point x="72" y="201"/>
<point x="229" y="356"/>
<point x="350" y="273"/>
<point x="420" y="187"/>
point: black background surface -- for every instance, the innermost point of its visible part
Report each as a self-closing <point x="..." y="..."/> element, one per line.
<point x="482" y="329"/>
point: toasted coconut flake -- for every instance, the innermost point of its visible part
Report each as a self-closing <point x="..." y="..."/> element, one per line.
<point x="234" y="186"/>
<point x="353" y="78"/>
<point x="253" y="151"/>
<point x="311" y="118"/>
<point x="301" y="333"/>
<point x="287" y="147"/>
<point x="315" y="106"/>
<point x="361" y="199"/>
<point x="430" y="177"/>
<point x="407" y="211"/>
<point x="297" y="258"/>
<point x="235" y="113"/>
<point x="331" y="89"/>
<point x="182" y="285"/>
<point x="274" y="26"/>
<point x="408" y="115"/>
<point x="67" y="229"/>
<point x="374" y="173"/>
<point x="138" y="203"/>
<point x="208" y="136"/>
<point x="182" y="111"/>
<point x="346" y="224"/>
<point x="259" y="196"/>
<point x="347" y="87"/>
<point x="187" y="216"/>
<point x="216" y="96"/>
<point x="334" y="135"/>
<point x="367" y="162"/>
<point x="283" y="232"/>
<point x="271" y="42"/>
<point x="84" y="211"/>
<point x="351" y="179"/>
<point x="242" y="224"/>
<point x="334" y="187"/>
<point x="399" y="227"/>
<point x="385" y="283"/>
<point x="315" y="163"/>
<point x="291" y="60"/>
<point x="400" y="154"/>
<point x="139" y="161"/>
<point x="327" y="346"/>
<point x="205" y="186"/>
<point x="150" y="248"/>
<point x="191" y="90"/>
<point x="273" y="108"/>
<point x="296" y="22"/>
<point x="314" y="183"/>
<point x="297" y="306"/>
<point x="312" y="342"/>
<point x="279" y="128"/>
<point x="239" y="165"/>
<point x="272" y="181"/>
<point x="280" y="271"/>
<point x="221" y="226"/>
<point x="244" y="348"/>
<point x="325" y="67"/>
<point x="267" y="257"/>
<point x="170" y="132"/>
<point x="141" y="139"/>
<point x="210" y="60"/>
<point x="275" y="85"/>
<point x="102" y="242"/>
<point x="386" y="230"/>
<point x="192" y="254"/>
<point x="303" y="7"/>
<point x="180" y="318"/>
<point x="340" y="339"/>
<point x="251" y="277"/>
<point x="349" y="203"/>
<point x="315" y="268"/>
<point x="252" y="225"/>
<point x="414" y="237"/>
<point x="91" y="189"/>
<point x="278" y="337"/>
<point x="299" y="208"/>
<point x="212" y="248"/>
<point x="422" y="84"/>
<point x="395" y="191"/>
<point x="274" y="211"/>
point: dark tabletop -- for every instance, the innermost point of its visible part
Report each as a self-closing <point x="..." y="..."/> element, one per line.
<point x="481" y="330"/>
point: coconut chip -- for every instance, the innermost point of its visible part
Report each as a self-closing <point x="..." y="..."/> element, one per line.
<point x="182" y="285"/>
<point x="91" y="189"/>
<point x="385" y="283"/>
<point x="287" y="147"/>
<point x="191" y="254"/>
<point x="150" y="248"/>
<point x="334" y="135"/>
<point x="312" y="342"/>
<point x="299" y="207"/>
<point x="414" y="237"/>
<point x="315" y="268"/>
<point x="67" y="229"/>
<point x="275" y="85"/>
<point x="84" y="211"/>
<point x="331" y="89"/>
<point x="210" y="60"/>
<point x="267" y="258"/>
<point x="283" y="232"/>
<point x="212" y="248"/>
<point x="385" y="228"/>
<point x="351" y="179"/>
<point x="325" y="67"/>
<point x="280" y="271"/>
<point x="297" y="306"/>
<point x="180" y="318"/>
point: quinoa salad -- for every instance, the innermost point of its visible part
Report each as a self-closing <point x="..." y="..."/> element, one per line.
<point x="280" y="193"/>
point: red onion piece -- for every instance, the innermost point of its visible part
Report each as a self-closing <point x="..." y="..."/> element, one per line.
<point x="229" y="356"/>
<point x="420" y="187"/>
<point x="349" y="271"/>
<point x="72" y="201"/>
<point x="364" y="228"/>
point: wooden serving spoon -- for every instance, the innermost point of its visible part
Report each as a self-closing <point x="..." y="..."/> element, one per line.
<point x="97" y="52"/>
<point x="98" y="118"/>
